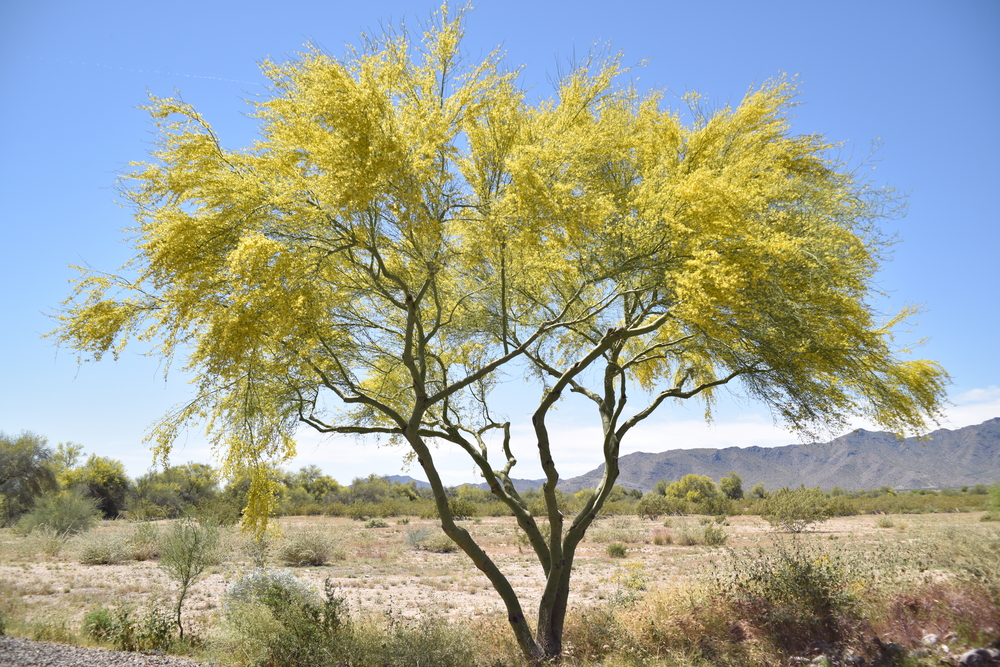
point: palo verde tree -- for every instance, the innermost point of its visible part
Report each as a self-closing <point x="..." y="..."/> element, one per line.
<point x="409" y="229"/>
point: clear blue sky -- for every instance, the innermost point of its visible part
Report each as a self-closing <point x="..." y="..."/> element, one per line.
<point x="924" y="77"/>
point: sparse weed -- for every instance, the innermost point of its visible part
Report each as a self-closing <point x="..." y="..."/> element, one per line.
<point x="662" y="537"/>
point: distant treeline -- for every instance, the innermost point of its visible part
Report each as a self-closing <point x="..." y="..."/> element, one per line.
<point x="33" y="475"/>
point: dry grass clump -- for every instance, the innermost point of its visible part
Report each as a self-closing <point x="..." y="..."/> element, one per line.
<point x="622" y="529"/>
<point x="309" y="547"/>
<point x="103" y="548"/>
<point x="42" y="540"/>
<point x="429" y="539"/>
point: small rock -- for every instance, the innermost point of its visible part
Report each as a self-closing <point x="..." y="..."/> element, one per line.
<point x="854" y="660"/>
<point x="798" y="660"/>
<point x="930" y="640"/>
<point x="820" y="660"/>
<point x="980" y="657"/>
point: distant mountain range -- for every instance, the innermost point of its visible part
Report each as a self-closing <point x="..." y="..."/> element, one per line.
<point x="859" y="460"/>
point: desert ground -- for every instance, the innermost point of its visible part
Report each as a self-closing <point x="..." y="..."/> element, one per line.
<point x="376" y="570"/>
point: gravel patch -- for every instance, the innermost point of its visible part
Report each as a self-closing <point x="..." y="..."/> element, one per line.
<point x="26" y="653"/>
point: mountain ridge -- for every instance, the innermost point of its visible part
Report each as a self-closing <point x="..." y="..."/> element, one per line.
<point x="858" y="460"/>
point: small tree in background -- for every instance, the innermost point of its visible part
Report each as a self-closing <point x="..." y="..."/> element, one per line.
<point x="693" y="488"/>
<point x="732" y="486"/>
<point x="188" y="548"/>
<point x="24" y="473"/>
<point x="104" y="479"/>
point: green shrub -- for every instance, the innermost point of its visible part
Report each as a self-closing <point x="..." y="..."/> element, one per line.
<point x="186" y="551"/>
<point x="274" y="619"/>
<point x="654" y="505"/>
<point x="439" y="543"/>
<point x="616" y="550"/>
<point x="719" y="504"/>
<point x="309" y="547"/>
<point x="97" y="623"/>
<point x="794" y="510"/>
<point x="994" y="492"/>
<point x="462" y="508"/>
<point x="126" y="630"/>
<point x="376" y="522"/>
<point x="687" y="537"/>
<point x="67" y="513"/>
<point x="714" y="536"/>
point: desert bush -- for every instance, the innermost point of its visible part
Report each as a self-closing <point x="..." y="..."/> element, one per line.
<point x="439" y="543"/>
<point x="794" y="510"/>
<point x="376" y="522"/>
<point x="273" y="618"/>
<point x="431" y="539"/>
<point x="67" y="513"/>
<point x="714" y="536"/>
<point x="126" y="630"/>
<point x="104" y="548"/>
<point x="462" y="508"/>
<point x="97" y="623"/>
<point x="266" y="584"/>
<point x="654" y="505"/>
<point x="308" y="547"/>
<point x="616" y="550"/>
<point x="687" y="537"/>
<point x="796" y="595"/>
<point x="970" y="552"/>
<point x="50" y="628"/>
<point x="415" y="536"/>
<point x="717" y="505"/>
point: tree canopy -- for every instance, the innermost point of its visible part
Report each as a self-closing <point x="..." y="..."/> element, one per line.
<point x="411" y="228"/>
